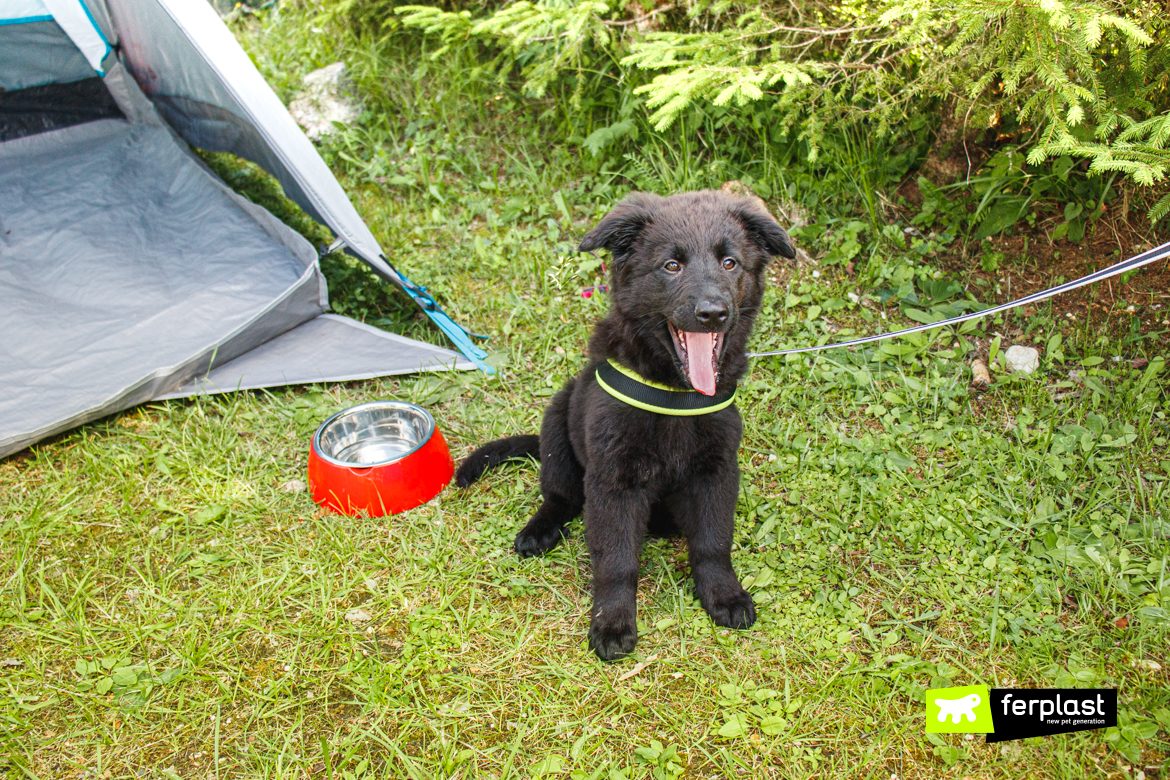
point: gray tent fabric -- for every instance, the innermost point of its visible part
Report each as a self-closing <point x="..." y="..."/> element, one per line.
<point x="203" y="83"/>
<point x="128" y="270"/>
<point x="124" y="268"/>
<point x="183" y="57"/>
<point x="341" y="349"/>
<point x="38" y="53"/>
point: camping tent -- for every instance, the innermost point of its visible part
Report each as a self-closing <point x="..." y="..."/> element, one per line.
<point x="129" y="271"/>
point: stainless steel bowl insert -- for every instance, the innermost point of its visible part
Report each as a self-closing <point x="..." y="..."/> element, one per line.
<point x="373" y="434"/>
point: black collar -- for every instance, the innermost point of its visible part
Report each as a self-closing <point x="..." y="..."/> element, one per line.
<point x="637" y="391"/>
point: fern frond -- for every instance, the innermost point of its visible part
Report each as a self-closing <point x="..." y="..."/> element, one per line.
<point x="1160" y="209"/>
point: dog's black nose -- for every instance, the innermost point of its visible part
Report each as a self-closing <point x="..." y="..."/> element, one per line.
<point x="711" y="312"/>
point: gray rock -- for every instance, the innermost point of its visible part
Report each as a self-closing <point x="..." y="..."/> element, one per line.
<point x="327" y="98"/>
<point x="1022" y="360"/>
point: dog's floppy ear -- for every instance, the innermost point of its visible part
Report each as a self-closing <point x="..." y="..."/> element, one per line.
<point x="764" y="231"/>
<point x="620" y="228"/>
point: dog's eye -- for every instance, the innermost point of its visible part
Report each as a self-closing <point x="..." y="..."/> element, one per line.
<point x="729" y="263"/>
<point x="674" y="266"/>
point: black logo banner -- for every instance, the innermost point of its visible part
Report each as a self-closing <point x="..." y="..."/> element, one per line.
<point x="1020" y="712"/>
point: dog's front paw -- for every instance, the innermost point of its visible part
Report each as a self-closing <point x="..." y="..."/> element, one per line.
<point x="612" y="642"/>
<point x="736" y="610"/>
<point x="539" y="540"/>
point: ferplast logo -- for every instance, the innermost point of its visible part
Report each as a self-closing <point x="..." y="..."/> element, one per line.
<point x="1004" y="714"/>
<point x="1090" y="706"/>
<point x="1039" y="712"/>
<point x="962" y="710"/>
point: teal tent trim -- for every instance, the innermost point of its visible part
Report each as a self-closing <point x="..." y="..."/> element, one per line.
<point x="26" y="20"/>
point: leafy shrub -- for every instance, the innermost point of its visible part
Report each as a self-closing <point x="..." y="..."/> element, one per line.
<point x="1065" y="80"/>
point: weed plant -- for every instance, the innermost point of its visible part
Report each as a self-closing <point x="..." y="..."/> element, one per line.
<point x="174" y="605"/>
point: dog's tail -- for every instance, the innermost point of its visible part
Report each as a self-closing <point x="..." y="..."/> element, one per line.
<point x="493" y="454"/>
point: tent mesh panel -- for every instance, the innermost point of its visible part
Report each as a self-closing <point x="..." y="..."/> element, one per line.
<point x="35" y="110"/>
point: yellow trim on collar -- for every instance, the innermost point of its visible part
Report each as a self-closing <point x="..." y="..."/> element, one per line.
<point x="632" y="374"/>
<point x="667" y="410"/>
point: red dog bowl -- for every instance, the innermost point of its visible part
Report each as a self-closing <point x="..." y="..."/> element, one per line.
<point x="378" y="459"/>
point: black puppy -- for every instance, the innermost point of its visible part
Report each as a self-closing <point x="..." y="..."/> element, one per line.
<point x="645" y="438"/>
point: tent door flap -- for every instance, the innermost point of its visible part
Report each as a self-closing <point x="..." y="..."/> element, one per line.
<point x="329" y="348"/>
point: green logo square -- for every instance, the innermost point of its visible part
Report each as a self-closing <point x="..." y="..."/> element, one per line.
<point x="962" y="710"/>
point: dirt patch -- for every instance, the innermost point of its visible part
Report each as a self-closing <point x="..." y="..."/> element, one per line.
<point x="1032" y="262"/>
<point x="956" y="152"/>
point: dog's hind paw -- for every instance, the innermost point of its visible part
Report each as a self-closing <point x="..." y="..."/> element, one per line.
<point x="612" y="645"/>
<point x="531" y="542"/>
<point x="735" y="611"/>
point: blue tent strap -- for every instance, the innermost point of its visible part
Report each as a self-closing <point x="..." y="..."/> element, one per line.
<point x="456" y="332"/>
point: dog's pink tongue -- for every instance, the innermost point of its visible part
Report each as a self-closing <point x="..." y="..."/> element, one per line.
<point x="700" y="368"/>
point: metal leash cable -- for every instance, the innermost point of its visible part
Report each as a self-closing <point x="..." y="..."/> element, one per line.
<point x="1133" y="263"/>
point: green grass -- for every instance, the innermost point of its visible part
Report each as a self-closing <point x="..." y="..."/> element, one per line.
<point x="175" y="605"/>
